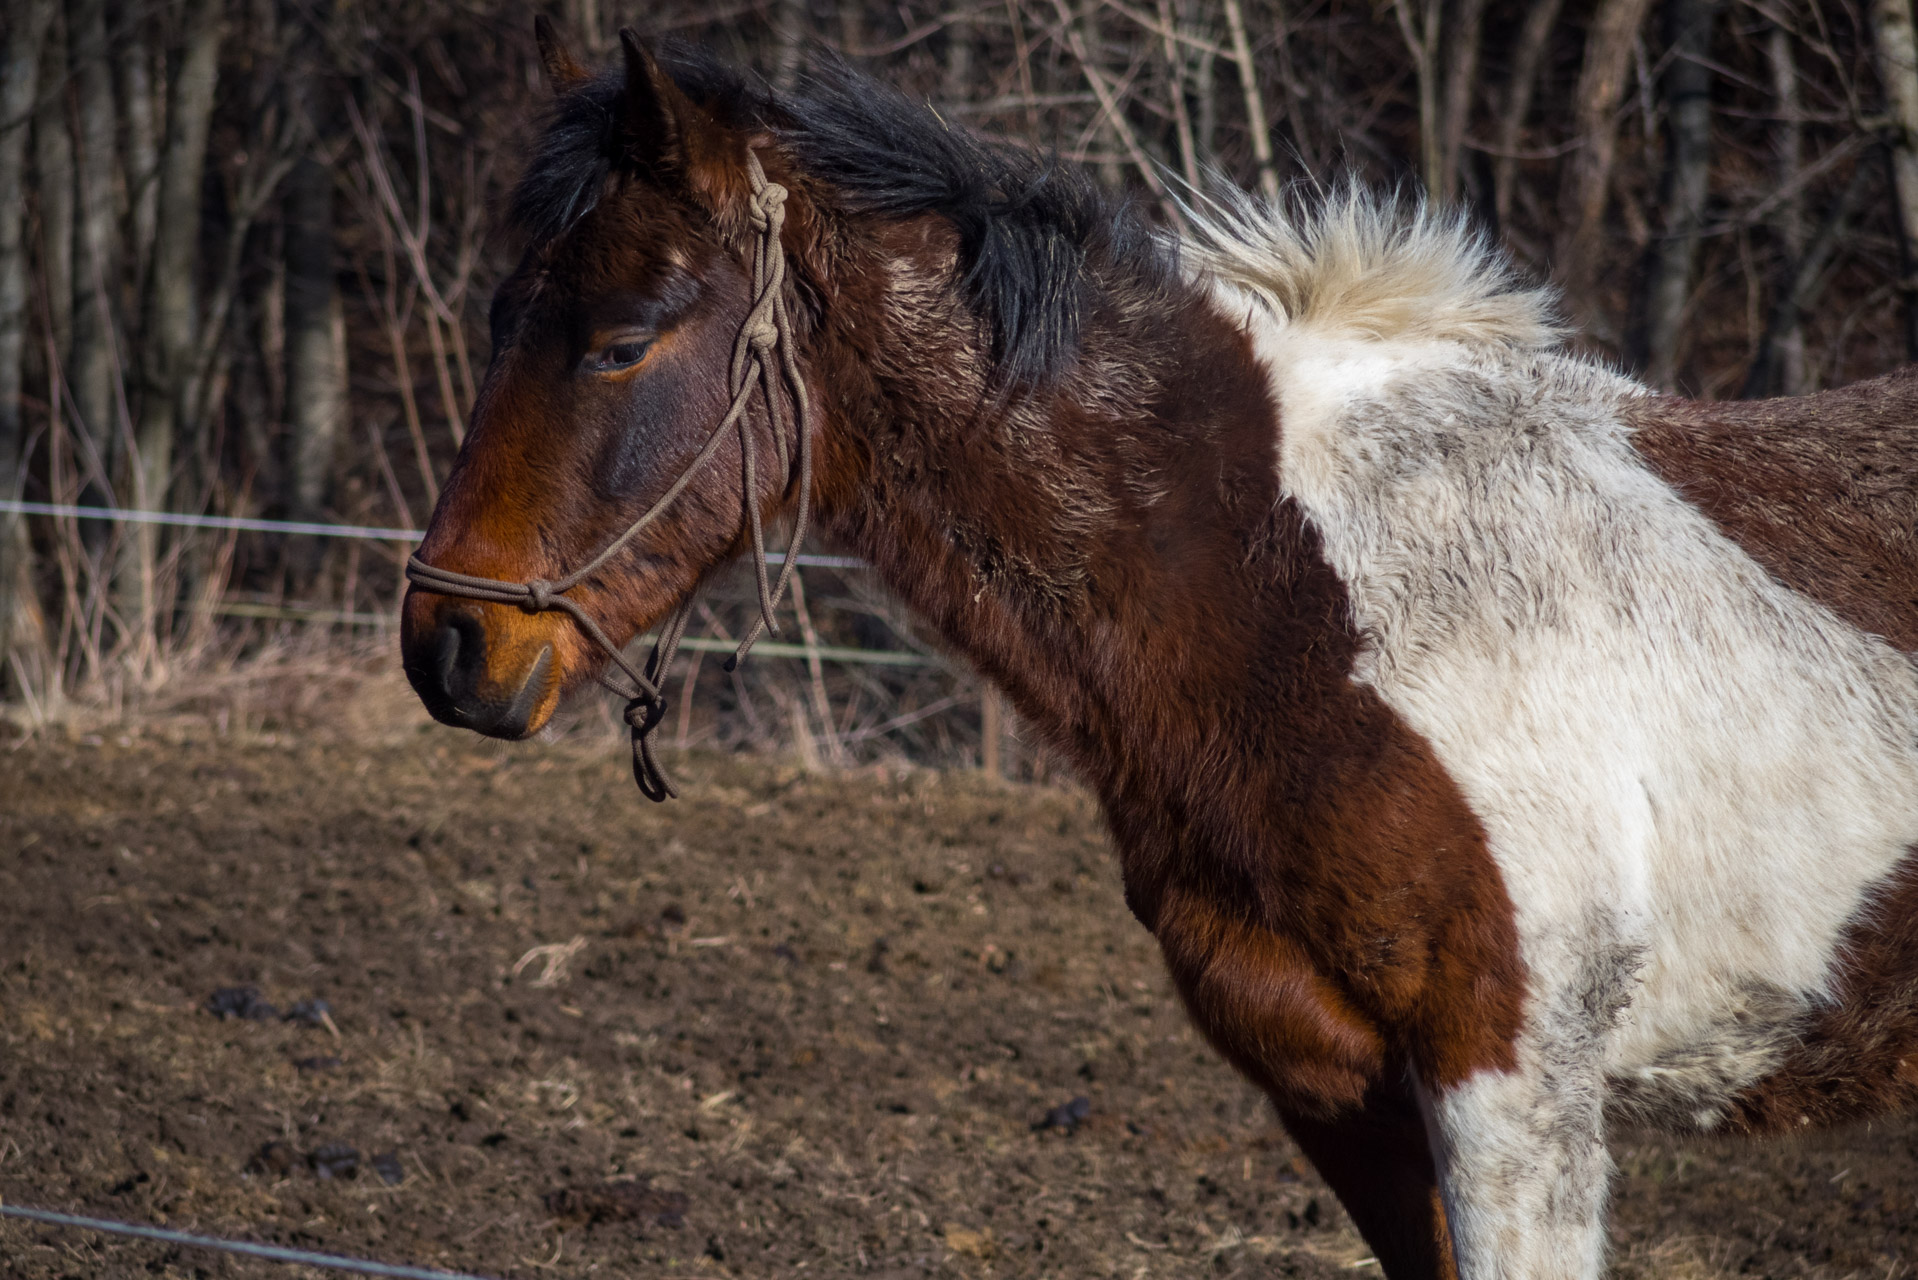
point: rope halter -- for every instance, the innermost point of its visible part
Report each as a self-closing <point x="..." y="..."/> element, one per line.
<point x="763" y="355"/>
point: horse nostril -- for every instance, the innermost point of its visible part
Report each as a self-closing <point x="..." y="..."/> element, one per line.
<point x="447" y="657"/>
<point x="462" y="656"/>
<point x="446" y="666"/>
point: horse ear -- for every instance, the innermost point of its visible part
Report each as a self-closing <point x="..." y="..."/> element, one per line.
<point x="657" y="113"/>
<point x="562" y="72"/>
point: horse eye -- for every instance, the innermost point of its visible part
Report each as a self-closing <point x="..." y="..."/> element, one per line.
<point x="621" y="355"/>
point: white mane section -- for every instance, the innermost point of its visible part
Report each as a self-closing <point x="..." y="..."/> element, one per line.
<point x="1356" y="265"/>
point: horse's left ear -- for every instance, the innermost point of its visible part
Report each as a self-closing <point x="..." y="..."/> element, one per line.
<point x="658" y="115"/>
<point x="675" y="137"/>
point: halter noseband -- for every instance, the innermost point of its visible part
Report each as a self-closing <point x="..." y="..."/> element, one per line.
<point x="766" y="330"/>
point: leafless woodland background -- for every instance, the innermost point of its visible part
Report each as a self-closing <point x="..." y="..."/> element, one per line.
<point x="246" y="248"/>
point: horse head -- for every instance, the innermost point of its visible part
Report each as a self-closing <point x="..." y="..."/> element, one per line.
<point x="616" y="451"/>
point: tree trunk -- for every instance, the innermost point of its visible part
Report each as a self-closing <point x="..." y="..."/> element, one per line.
<point x="1533" y="39"/>
<point x="1176" y="60"/>
<point x="53" y="189"/>
<point x="20" y="638"/>
<point x="1455" y="110"/>
<point x="958" y="69"/>
<point x="1898" y="68"/>
<point x="1779" y="369"/>
<point x="1668" y="283"/>
<point x="91" y="370"/>
<point x="172" y="316"/>
<point x="1205" y="92"/>
<point x="789" y="43"/>
<point x="18" y="88"/>
<point x="316" y="388"/>
<point x="1588" y="173"/>
<point x="135" y="65"/>
<point x="1421" y="32"/>
<point x="1798" y="292"/>
<point x="1110" y="168"/>
<point x="1257" y="126"/>
<point x="171" y="328"/>
<point x="588" y="27"/>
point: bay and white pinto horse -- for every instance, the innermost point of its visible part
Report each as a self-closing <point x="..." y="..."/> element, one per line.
<point x="1500" y="752"/>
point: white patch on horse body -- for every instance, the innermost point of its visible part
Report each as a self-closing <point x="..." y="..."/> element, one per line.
<point x="1685" y="771"/>
<point x="1646" y="723"/>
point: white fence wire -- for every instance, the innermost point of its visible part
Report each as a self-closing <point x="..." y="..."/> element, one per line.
<point x="372" y="533"/>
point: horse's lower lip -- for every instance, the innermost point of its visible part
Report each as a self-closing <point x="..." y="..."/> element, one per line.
<point x="512" y="719"/>
<point x="458" y="690"/>
<point x="517" y="720"/>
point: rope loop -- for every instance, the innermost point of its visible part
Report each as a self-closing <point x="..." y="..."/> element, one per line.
<point x="642" y="715"/>
<point x="763" y="356"/>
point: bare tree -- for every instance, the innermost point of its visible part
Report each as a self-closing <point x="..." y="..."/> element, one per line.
<point x="1257" y="125"/>
<point x="1655" y="340"/>
<point x="1798" y="292"/>
<point x="1533" y="38"/>
<point x="1461" y="77"/>
<point x="1588" y="174"/>
<point x="958" y="70"/>
<point x="1422" y="31"/>
<point x="53" y="186"/>
<point x="587" y="20"/>
<point x="1897" y="52"/>
<point x="789" y="35"/>
<point x="1779" y="368"/>
<point x="134" y="67"/>
<point x="93" y="367"/>
<point x="19" y="87"/>
<point x="171" y="314"/>
<point x="315" y="328"/>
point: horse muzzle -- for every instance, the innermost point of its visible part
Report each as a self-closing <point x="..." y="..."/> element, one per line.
<point x="489" y="668"/>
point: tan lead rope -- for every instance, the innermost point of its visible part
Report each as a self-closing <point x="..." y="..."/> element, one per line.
<point x="765" y="334"/>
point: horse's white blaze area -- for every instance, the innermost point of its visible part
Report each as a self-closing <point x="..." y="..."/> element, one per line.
<point x="1690" y="776"/>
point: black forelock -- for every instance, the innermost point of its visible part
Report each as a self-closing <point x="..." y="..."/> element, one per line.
<point x="1028" y="227"/>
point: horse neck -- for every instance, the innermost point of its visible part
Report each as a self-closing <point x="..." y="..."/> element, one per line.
<point x="1113" y="550"/>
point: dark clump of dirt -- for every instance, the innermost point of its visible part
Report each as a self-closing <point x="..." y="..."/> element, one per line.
<point x="787" y="1021"/>
<point x="334" y="1160"/>
<point x="240" y="1002"/>
<point x="1067" y="1116"/>
<point x="632" y="1201"/>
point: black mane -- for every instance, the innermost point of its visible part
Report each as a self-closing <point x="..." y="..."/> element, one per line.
<point x="1028" y="227"/>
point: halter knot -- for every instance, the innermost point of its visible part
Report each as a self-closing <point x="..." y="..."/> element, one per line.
<point x="642" y="714"/>
<point x="539" y="596"/>
<point x="767" y="207"/>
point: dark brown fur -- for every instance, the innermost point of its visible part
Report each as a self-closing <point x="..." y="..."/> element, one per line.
<point x="1822" y="490"/>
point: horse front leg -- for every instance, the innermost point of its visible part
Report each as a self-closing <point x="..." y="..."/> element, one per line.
<point x="1521" y="1152"/>
<point x="1378" y="1161"/>
<point x="1259" y="1000"/>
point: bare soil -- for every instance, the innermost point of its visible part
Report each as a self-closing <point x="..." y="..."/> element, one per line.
<point x="789" y="1023"/>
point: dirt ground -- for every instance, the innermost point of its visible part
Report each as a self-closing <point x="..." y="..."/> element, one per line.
<point x="789" y="1023"/>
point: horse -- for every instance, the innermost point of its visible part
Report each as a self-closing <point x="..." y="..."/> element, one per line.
<point x="1500" y="753"/>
